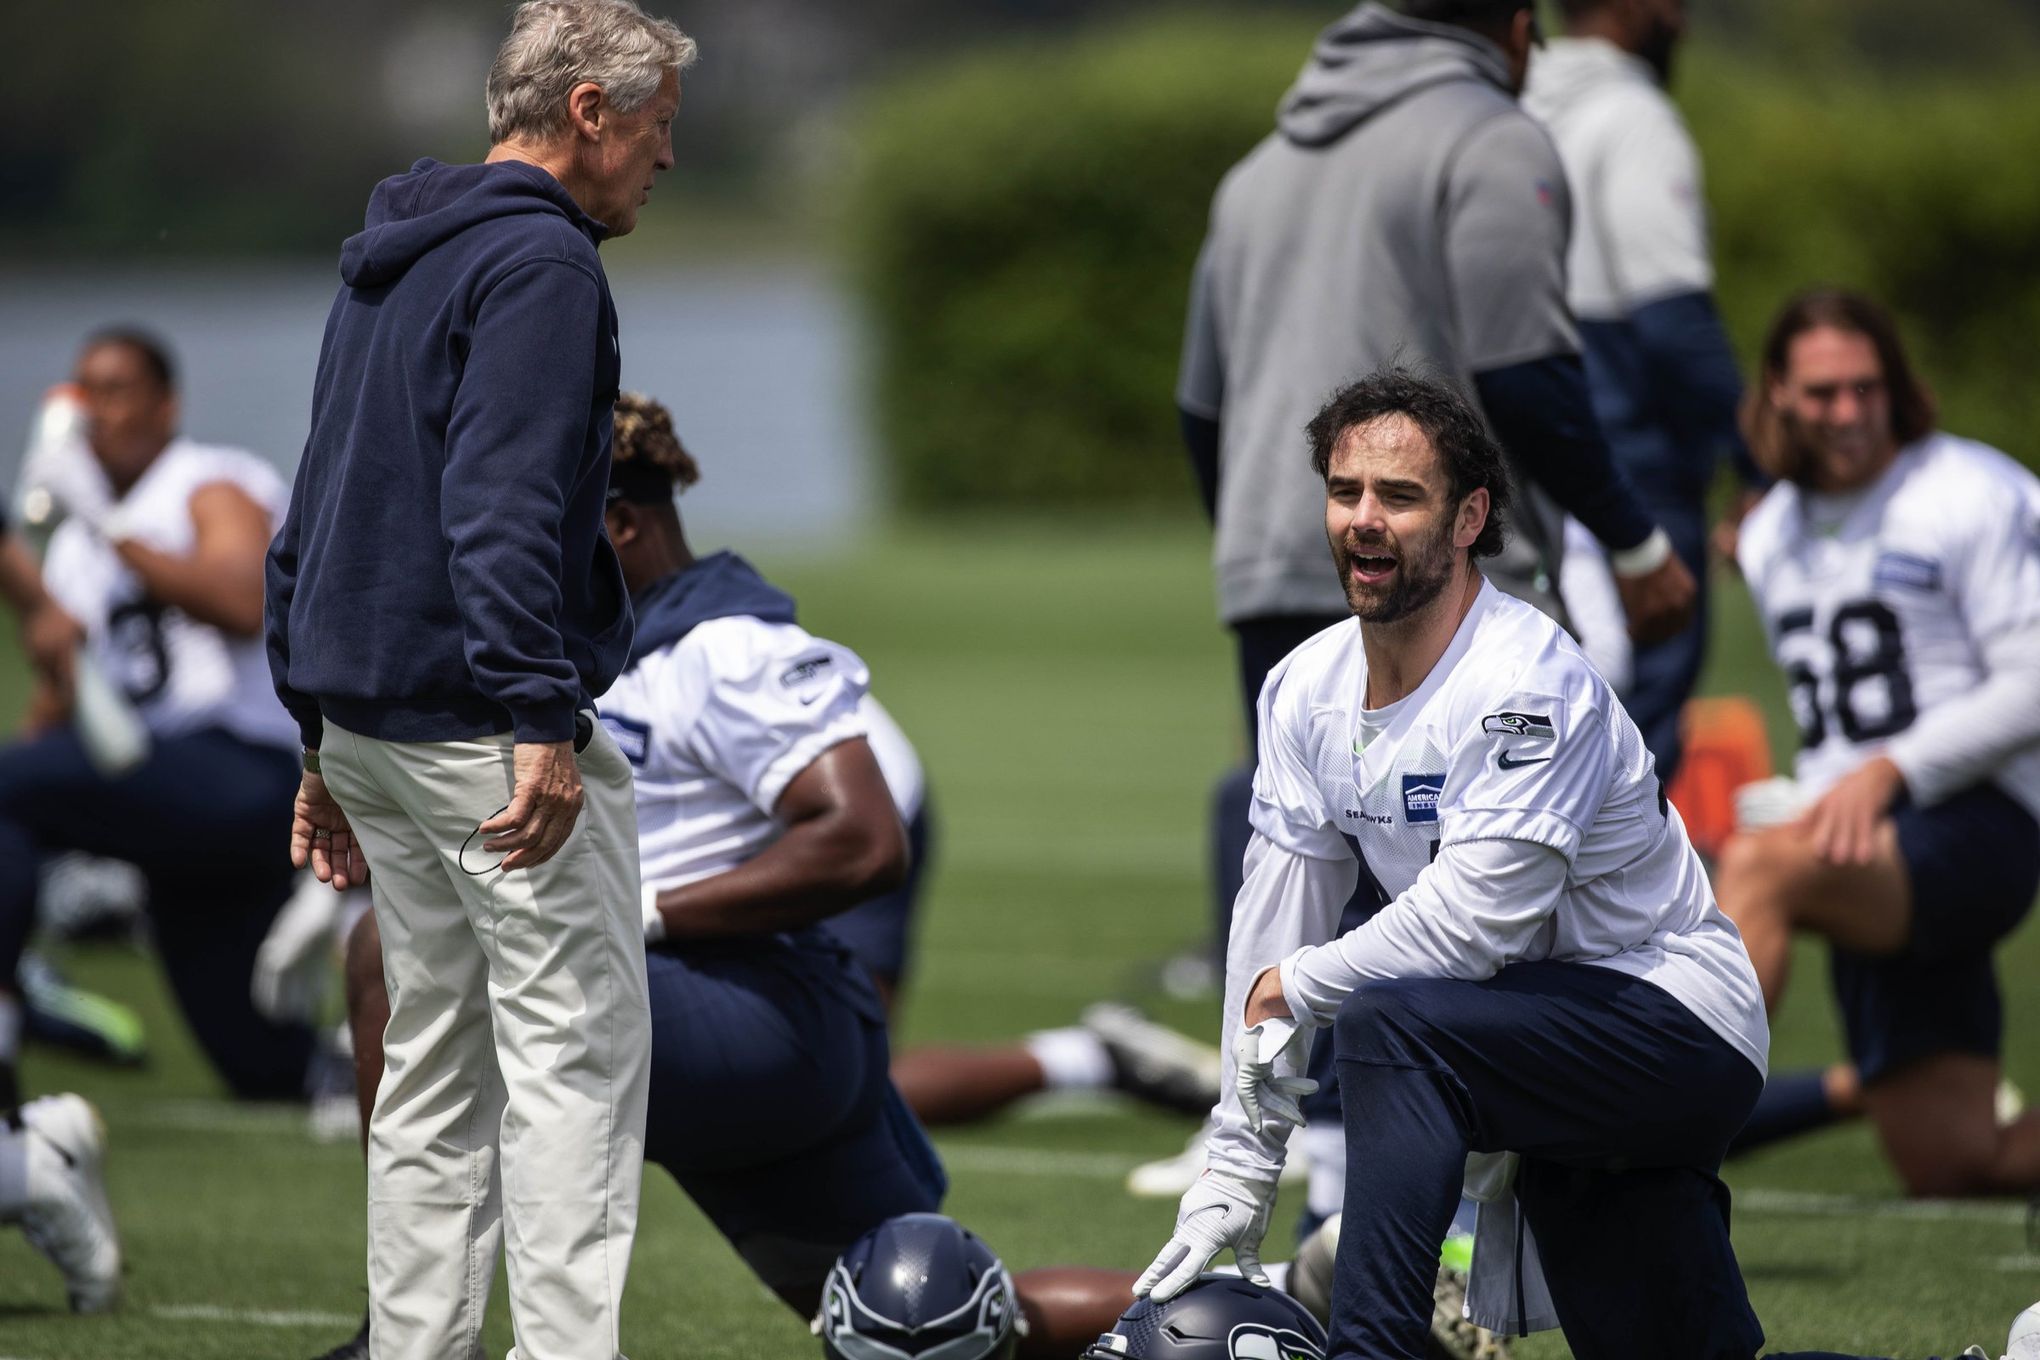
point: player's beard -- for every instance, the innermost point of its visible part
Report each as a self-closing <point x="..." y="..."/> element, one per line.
<point x="1423" y="569"/>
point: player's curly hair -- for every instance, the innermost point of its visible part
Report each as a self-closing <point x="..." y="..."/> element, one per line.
<point x="1772" y="441"/>
<point x="1470" y="454"/>
<point x="647" y="460"/>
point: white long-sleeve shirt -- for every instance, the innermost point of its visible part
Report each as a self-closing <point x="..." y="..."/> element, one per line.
<point x="1507" y="810"/>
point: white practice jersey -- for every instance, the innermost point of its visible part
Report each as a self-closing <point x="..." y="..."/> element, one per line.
<point x="1639" y="221"/>
<point x="1889" y="607"/>
<point x="1507" y="810"/>
<point x="717" y="724"/>
<point x="182" y="675"/>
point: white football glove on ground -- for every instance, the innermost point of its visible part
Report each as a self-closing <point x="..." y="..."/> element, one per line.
<point x="1767" y="803"/>
<point x="1221" y="1210"/>
<point x="295" y="963"/>
<point x="1264" y="1095"/>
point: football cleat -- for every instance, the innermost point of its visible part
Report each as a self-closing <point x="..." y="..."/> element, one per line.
<point x="66" y="1215"/>
<point x="919" y="1287"/>
<point x="355" y="1348"/>
<point x="1219" y="1317"/>
<point x="1453" y="1337"/>
<point x="1152" y="1061"/>
<point x="1169" y="1177"/>
<point x="2024" y="1342"/>
<point x="56" y="1013"/>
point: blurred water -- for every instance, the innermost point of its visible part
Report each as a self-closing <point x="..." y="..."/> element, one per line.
<point x="758" y="361"/>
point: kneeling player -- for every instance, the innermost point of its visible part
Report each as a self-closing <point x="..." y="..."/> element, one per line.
<point x="762" y="811"/>
<point x="1897" y="570"/>
<point x="1547" y="976"/>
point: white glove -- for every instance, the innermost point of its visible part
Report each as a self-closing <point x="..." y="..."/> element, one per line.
<point x="59" y="463"/>
<point x="1219" y="1210"/>
<point x="1264" y="1095"/>
<point x="295" y="962"/>
<point x="1767" y="803"/>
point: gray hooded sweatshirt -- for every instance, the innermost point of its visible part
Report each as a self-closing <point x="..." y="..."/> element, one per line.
<point x="1406" y="210"/>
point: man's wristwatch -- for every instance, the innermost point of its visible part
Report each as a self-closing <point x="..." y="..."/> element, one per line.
<point x="311" y="759"/>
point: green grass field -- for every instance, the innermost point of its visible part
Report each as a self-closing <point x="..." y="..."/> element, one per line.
<point x="1073" y="699"/>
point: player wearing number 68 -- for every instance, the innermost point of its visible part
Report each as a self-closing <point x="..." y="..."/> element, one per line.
<point x="1897" y="571"/>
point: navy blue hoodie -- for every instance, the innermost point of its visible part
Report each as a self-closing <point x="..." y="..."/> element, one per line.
<point x="443" y="572"/>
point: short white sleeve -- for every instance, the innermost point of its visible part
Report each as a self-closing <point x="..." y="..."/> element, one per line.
<point x="1289" y="807"/>
<point x="1534" y="767"/>
<point x="777" y="699"/>
<point x="1649" y="210"/>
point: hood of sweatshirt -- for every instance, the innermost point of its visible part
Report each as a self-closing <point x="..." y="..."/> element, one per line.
<point x="719" y="586"/>
<point x="411" y="214"/>
<point x="1374" y="58"/>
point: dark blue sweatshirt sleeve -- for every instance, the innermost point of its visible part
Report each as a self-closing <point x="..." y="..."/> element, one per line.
<point x="279" y="586"/>
<point x="515" y="445"/>
<point x="1200" y="441"/>
<point x="1542" y="414"/>
<point x="1694" y="377"/>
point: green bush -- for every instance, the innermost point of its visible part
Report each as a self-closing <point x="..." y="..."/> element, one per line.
<point x="1025" y="223"/>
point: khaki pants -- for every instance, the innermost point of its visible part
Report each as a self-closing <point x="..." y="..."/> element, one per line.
<point x="512" y="1104"/>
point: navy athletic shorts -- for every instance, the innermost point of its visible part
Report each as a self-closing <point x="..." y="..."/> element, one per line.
<point x="771" y="1103"/>
<point x="1974" y="863"/>
<point x="879" y="931"/>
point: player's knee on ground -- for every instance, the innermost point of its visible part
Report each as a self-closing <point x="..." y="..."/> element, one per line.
<point x="793" y="1269"/>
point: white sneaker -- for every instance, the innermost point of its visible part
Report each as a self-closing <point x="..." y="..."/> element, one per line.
<point x="1153" y="1062"/>
<point x="2024" y="1342"/>
<point x="67" y="1217"/>
<point x="1169" y="1177"/>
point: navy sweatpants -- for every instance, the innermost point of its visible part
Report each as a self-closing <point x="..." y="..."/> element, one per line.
<point x="1620" y="1102"/>
<point x="206" y="818"/>
<point x="772" y="1106"/>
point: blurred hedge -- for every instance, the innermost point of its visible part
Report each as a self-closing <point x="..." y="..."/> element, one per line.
<point x="1024" y="225"/>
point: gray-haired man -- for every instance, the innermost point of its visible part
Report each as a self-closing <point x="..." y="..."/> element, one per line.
<point x="442" y="606"/>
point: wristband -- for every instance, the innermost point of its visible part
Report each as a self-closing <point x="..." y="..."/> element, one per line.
<point x="311" y="759"/>
<point x="1643" y="559"/>
<point x="655" y="924"/>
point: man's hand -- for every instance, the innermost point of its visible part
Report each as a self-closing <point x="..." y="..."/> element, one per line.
<point x="53" y="638"/>
<point x="1727" y="536"/>
<point x="1267" y="1035"/>
<point x="76" y="481"/>
<point x="320" y="837"/>
<point x="543" y="809"/>
<point x="1219" y="1210"/>
<point x="1844" y="825"/>
<point x="1658" y="603"/>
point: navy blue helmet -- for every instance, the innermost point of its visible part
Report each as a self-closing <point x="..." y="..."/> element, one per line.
<point x="919" y="1287"/>
<point x="1220" y="1317"/>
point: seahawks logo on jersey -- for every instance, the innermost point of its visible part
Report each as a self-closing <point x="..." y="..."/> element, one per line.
<point x="1519" y="725"/>
<point x="1255" y="1341"/>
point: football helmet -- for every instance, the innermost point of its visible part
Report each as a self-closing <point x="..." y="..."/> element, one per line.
<point x="919" y="1287"/>
<point x="1221" y="1317"/>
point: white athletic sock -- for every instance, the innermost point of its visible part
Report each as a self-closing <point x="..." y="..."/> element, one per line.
<point x="1071" y="1059"/>
<point x="13" y="1171"/>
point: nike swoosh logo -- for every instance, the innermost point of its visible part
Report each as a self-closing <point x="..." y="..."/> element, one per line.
<point x="1505" y="763"/>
